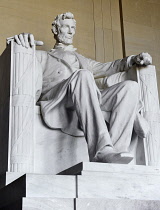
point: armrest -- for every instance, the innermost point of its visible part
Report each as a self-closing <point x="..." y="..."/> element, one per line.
<point x="146" y="77"/>
<point x="22" y="105"/>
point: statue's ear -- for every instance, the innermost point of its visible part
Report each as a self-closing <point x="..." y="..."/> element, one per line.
<point x="54" y="30"/>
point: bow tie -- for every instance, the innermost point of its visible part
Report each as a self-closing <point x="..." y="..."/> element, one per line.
<point x="64" y="47"/>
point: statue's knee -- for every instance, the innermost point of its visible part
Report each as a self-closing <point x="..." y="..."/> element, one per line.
<point x="84" y="74"/>
<point x="131" y="88"/>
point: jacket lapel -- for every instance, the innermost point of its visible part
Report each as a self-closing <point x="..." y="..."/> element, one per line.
<point x="58" y="54"/>
<point x="81" y="61"/>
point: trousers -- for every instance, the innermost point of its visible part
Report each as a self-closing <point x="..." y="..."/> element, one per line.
<point x="120" y="101"/>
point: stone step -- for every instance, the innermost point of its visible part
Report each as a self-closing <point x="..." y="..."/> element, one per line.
<point x="91" y="168"/>
<point x="41" y="204"/>
<point x="82" y="204"/>
<point x="114" y="186"/>
<point x="35" y="185"/>
<point x="98" y="180"/>
<point x="112" y="181"/>
<point x="116" y="204"/>
<point x="8" y="177"/>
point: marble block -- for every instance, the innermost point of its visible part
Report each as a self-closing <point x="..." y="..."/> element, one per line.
<point x="54" y="150"/>
<point x="116" y="204"/>
<point x="91" y="168"/>
<point x="120" y="185"/>
<point x="34" y="185"/>
<point x="41" y="203"/>
<point x="9" y="177"/>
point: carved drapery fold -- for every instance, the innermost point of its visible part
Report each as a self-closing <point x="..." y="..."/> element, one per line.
<point x="22" y="104"/>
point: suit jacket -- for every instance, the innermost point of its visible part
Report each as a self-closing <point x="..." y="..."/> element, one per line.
<point x="57" y="76"/>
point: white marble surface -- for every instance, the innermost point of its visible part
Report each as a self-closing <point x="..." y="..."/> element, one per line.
<point x="56" y="151"/>
<point x="116" y="186"/>
<point x="33" y="185"/>
<point x="91" y="168"/>
<point x="149" y="95"/>
<point x="50" y="186"/>
<point x="118" y="204"/>
<point x="82" y="204"/>
<point x="22" y="103"/>
<point x="41" y="204"/>
<point x="9" y="177"/>
<point x="102" y="184"/>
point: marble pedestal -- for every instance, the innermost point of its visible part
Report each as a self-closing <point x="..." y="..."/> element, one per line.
<point x="86" y="186"/>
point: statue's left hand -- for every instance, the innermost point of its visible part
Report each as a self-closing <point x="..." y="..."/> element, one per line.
<point x="142" y="59"/>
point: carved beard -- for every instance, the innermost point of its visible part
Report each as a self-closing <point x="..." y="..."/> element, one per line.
<point x="63" y="39"/>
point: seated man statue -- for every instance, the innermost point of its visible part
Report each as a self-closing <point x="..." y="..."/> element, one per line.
<point x="71" y="101"/>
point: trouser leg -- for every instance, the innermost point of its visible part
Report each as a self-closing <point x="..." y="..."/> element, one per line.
<point x="83" y="94"/>
<point x="121" y="101"/>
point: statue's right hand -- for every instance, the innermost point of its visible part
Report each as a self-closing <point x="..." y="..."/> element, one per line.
<point x="26" y="40"/>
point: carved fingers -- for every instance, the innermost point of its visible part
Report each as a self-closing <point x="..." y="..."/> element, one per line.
<point x="26" y="40"/>
<point x="143" y="59"/>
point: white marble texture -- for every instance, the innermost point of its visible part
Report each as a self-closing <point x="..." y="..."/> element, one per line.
<point x="90" y="168"/>
<point x="22" y="103"/>
<point x="41" y="204"/>
<point x="9" y="177"/>
<point x="117" y="186"/>
<point x="54" y="150"/>
<point x="34" y="185"/>
<point x="117" y="204"/>
<point x="149" y="95"/>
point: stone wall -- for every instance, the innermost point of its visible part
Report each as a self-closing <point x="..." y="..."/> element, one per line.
<point x="99" y="35"/>
<point x="142" y="29"/>
<point x="98" y="24"/>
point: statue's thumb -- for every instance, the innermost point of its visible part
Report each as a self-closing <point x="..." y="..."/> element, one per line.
<point x="38" y="43"/>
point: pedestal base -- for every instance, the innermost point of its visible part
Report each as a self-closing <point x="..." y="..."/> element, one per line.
<point x="97" y="186"/>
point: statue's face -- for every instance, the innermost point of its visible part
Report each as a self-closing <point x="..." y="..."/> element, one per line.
<point x="66" y="31"/>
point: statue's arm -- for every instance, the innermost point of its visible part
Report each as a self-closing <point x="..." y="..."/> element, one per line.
<point x="100" y="70"/>
<point x="110" y="73"/>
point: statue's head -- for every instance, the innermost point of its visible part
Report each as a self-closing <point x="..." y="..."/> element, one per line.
<point x="63" y="28"/>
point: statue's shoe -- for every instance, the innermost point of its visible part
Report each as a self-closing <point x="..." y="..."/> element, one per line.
<point x="119" y="158"/>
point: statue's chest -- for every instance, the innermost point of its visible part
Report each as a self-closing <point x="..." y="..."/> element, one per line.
<point x="61" y="67"/>
<point x="58" y="70"/>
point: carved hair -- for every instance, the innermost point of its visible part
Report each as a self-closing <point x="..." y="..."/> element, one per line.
<point x="56" y="23"/>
